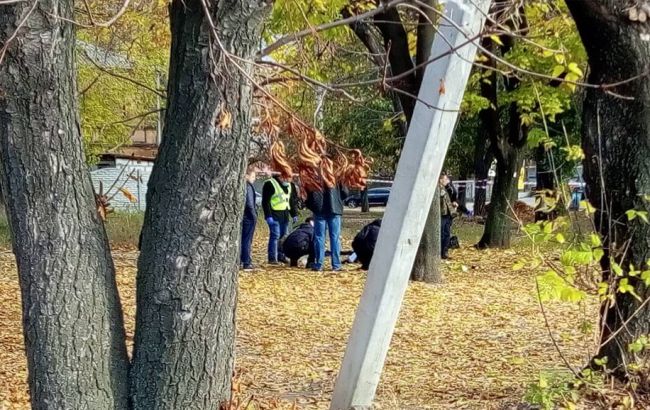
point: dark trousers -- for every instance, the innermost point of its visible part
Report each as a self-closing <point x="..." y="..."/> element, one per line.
<point x="445" y="233"/>
<point x="247" y="231"/>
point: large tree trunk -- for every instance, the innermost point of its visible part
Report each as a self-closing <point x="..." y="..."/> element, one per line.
<point x="427" y="261"/>
<point x="72" y="319"/>
<point x="616" y="142"/>
<point x="187" y="278"/>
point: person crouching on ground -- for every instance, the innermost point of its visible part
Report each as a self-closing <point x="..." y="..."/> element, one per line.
<point x="300" y="243"/>
<point x="279" y="202"/>
<point x="327" y="206"/>
<point x="364" y="243"/>
<point x="248" y="221"/>
<point x="447" y="211"/>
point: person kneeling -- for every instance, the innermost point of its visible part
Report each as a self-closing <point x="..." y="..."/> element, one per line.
<point x="300" y="243"/>
<point x="364" y="243"/>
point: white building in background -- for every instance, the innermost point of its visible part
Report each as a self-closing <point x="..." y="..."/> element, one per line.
<point x="123" y="174"/>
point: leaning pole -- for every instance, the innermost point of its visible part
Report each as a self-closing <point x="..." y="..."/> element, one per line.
<point x="420" y="164"/>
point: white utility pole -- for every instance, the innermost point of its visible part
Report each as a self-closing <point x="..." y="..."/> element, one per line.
<point x="415" y="180"/>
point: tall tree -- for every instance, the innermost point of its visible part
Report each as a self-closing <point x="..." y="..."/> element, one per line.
<point x="395" y="45"/>
<point x="508" y="144"/>
<point x="72" y="319"/>
<point x="187" y="270"/>
<point x="616" y="143"/>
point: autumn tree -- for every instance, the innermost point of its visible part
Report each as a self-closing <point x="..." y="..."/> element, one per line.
<point x="616" y="143"/>
<point x="72" y="319"/>
<point x="187" y="270"/>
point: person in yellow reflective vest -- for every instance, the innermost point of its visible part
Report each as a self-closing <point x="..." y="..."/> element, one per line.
<point x="280" y="206"/>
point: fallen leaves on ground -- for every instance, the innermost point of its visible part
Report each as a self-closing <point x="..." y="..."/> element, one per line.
<point x="473" y="342"/>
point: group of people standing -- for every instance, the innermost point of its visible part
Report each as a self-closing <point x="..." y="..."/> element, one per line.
<point x="280" y="207"/>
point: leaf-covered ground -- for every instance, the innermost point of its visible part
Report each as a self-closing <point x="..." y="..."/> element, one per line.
<point x="475" y="342"/>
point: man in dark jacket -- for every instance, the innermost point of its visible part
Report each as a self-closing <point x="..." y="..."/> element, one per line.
<point x="248" y="221"/>
<point x="327" y="206"/>
<point x="447" y="210"/>
<point x="280" y="205"/>
<point x="300" y="243"/>
<point x="364" y="243"/>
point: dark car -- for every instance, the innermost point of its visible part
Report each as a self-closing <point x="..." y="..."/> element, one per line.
<point x="376" y="197"/>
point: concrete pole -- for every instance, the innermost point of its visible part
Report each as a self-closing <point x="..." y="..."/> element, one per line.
<point x="417" y="175"/>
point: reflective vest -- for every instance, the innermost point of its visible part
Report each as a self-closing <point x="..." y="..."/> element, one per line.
<point x="280" y="199"/>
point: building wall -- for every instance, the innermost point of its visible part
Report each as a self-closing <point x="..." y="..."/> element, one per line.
<point x="128" y="174"/>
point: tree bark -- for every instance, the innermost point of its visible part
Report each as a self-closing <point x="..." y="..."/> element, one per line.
<point x="616" y="143"/>
<point x="508" y="150"/>
<point x="395" y="39"/>
<point x="545" y="178"/>
<point x="365" y="205"/>
<point x="187" y="277"/>
<point x="427" y="261"/>
<point x="488" y="131"/>
<point x="72" y="319"/>
<point x="498" y="224"/>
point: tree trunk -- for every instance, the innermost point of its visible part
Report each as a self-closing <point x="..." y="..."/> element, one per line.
<point x="427" y="261"/>
<point x="616" y="142"/>
<point x="545" y="178"/>
<point x="72" y="319"/>
<point x="365" y="205"/>
<point x="426" y="266"/>
<point x="487" y="133"/>
<point x="187" y="277"/>
<point x="498" y="225"/>
<point x="507" y="147"/>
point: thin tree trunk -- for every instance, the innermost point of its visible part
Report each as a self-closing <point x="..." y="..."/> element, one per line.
<point x="365" y="205"/>
<point x="499" y="221"/>
<point x="187" y="278"/>
<point x="72" y="319"/>
<point x="545" y="178"/>
<point x="427" y="261"/>
<point x="616" y="143"/>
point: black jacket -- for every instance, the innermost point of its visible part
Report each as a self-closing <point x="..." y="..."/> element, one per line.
<point x="250" y="210"/>
<point x="299" y="242"/>
<point x="327" y="202"/>
<point x="452" y="192"/>
<point x="267" y="193"/>
<point x="365" y="241"/>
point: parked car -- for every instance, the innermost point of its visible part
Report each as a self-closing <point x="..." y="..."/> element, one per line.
<point x="376" y="197"/>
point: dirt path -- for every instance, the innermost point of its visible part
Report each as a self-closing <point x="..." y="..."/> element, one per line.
<point x="474" y="342"/>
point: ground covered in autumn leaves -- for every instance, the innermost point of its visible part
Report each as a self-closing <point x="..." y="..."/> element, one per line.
<point x="475" y="342"/>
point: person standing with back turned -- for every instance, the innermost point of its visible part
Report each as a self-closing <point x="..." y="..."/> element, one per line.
<point x="327" y="206"/>
<point x="279" y="202"/>
<point x="248" y="221"/>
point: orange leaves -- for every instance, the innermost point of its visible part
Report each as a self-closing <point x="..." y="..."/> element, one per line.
<point x="128" y="195"/>
<point x="279" y="160"/>
<point x="315" y="165"/>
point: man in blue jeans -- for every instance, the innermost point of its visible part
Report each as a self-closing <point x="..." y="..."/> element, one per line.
<point x="248" y="221"/>
<point x="327" y="206"/>
<point x="279" y="202"/>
